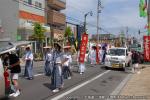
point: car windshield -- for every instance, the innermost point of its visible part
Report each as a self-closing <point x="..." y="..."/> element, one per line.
<point x="117" y="52"/>
<point x="4" y="45"/>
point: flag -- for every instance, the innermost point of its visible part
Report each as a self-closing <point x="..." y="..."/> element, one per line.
<point x="143" y="8"/>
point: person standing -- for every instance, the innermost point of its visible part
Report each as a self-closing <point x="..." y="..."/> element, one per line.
<point x="48" y="62"/>
<point x="103" y="54"/>
<point x="100" y="54"/>
<point x="13" y="64"/>
<point x="81" y="64"/>
<point x="28" y="64"/>
<point x="93" y="55"/>
<point x="135" y="62"/>
<point x="57" y="77"/>
<point x="66" y="63"/>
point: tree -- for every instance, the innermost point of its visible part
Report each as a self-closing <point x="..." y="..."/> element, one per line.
<point x="142" y="8"/>
<point x="68" y="34"/>
<point x="38" y="35"/>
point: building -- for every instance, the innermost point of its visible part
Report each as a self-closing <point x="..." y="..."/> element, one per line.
<point x="55" y="19"/>
<point x="104" y="38"/>
<point x="17" y="18"/>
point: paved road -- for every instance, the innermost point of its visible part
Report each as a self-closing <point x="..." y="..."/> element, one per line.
<point x="39" y="88"/>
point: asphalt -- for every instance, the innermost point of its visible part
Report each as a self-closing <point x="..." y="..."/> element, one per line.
<point x="114" y="84"/>
<point x="39" y="88"/>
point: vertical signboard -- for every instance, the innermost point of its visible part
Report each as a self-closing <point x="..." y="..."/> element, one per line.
<point x="83" y="46"/>
<point x="147" y="48"/>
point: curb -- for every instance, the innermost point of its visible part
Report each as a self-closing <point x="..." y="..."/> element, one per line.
<point x="119" y="89"/>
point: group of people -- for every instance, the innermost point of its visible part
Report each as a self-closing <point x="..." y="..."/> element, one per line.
<point x="101" y="54"/>
<point x="57" y="65"/>
<point x="11" y="62"/>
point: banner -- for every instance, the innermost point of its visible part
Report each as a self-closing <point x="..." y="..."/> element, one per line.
<point x="147" y="48"/>
<point x="83" y="46"/>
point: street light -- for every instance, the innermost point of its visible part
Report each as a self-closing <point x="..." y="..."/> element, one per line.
<point x="91" y="13"/>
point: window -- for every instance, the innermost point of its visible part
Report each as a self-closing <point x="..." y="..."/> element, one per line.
<point x="30" y="2"/>
<point x="38" y="4"/>
<point x="117" y="52"/>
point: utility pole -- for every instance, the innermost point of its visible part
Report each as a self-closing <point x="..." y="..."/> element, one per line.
<point x="98" y="11"/>
<point x="97" y="49"/>
<point x="126" y="37"/>
<point x="85" y="19"/>
<point x="148" y="13"/>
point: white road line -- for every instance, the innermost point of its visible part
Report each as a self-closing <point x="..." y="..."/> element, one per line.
<point x="79" y="86"/>
<point x="38" y="75"/>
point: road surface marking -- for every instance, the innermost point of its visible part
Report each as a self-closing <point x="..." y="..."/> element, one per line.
<point x="121" y="85"/>
<point x="79" y="86"/>
<point x="38" y="75"/>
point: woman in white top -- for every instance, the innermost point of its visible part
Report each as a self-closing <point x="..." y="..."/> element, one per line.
<point x="66" y="63"/>
<point x="93" y="55"/>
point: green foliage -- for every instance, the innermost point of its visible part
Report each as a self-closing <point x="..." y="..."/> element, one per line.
<point x="38" y="56"/>
<point x="68" y="32"/>
<point x="142" y="8"/>
<point x="39" y="31"/>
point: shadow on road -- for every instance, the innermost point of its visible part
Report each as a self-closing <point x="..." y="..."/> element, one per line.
<point x="114" y="69"/>
<point x="49" y="86"/>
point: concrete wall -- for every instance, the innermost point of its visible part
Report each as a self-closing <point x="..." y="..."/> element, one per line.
<point x="9" y="19"/>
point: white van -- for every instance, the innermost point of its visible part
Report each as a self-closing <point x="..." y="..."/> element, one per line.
<point x="118" y="58"/>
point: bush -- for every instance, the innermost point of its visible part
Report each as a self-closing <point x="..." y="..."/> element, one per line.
<point x="38" y="56"/>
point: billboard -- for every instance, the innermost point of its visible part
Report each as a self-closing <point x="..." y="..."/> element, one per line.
<point x="146" y="48"/>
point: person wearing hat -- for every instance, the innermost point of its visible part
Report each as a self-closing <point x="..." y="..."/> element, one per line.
<point x="48" y="61"/>
<point x="28" y="64"/>
<point x="57" y="78"/>
<point x="66" y="63"/>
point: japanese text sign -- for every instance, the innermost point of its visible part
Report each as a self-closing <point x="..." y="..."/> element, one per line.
<point x="83" y="47"/>
<point x="147" y="48"/>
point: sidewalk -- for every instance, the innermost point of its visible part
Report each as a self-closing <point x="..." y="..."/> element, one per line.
<point x="139" y="84"/>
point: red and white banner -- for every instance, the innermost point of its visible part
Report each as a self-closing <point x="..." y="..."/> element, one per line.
<point x="83" y="47"/>
<point x="146" y="48"/>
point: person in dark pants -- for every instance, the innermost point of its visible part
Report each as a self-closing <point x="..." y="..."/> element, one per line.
<point x="103" y="54"/>
<point x="135" y="62"/>
<point x="66" y="63"/>
<point x="29" y="64"/>
<point x="48" y="62"/>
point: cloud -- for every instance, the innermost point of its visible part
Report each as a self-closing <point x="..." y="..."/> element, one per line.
<point x="116" y="14"/>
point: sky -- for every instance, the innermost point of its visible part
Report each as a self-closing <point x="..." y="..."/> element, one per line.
<point x="116" y="15"/>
